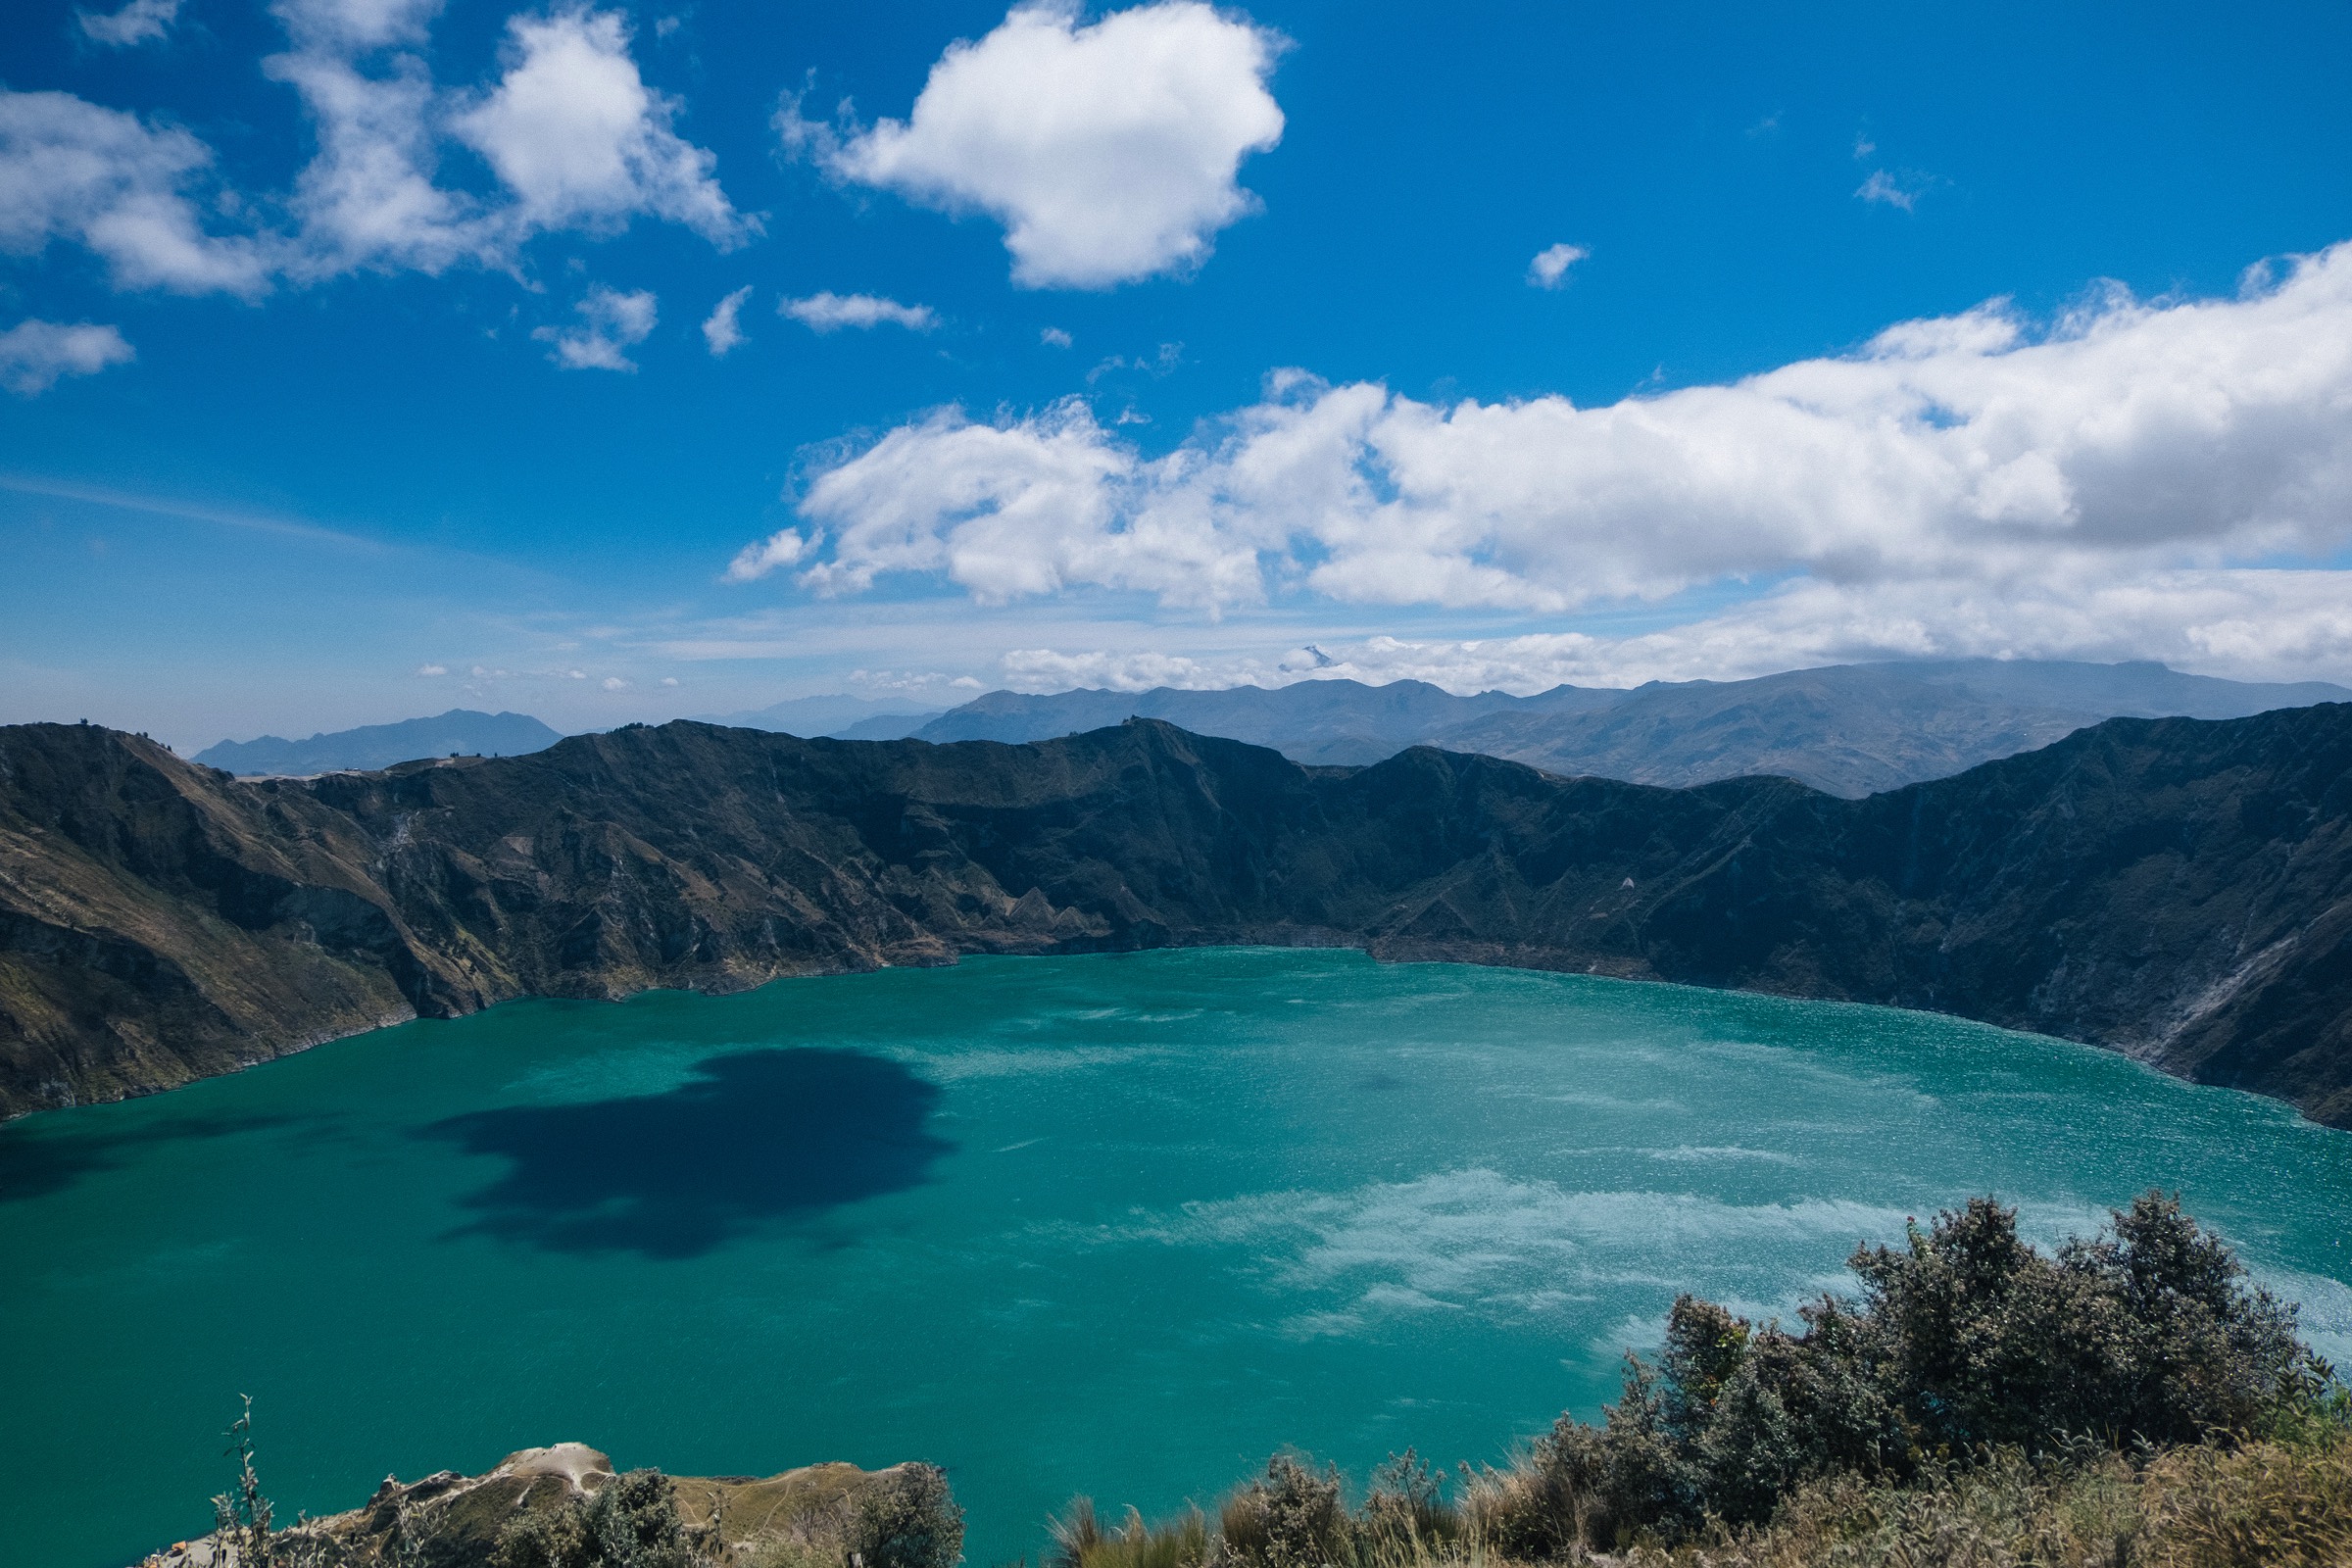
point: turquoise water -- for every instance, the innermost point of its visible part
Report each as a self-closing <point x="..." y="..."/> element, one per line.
<point x="1120" y="1225"/>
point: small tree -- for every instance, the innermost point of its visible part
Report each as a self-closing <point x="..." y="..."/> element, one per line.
<point x="241" y="1516"/>
<point x="908" y="1519"/>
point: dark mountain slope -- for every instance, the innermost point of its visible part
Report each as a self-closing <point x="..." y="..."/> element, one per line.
<point x="460" y="730"/>
<point x="2173" y="888"/>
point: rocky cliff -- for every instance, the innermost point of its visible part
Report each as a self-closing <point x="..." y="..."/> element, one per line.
<point x="2173" y="888"/>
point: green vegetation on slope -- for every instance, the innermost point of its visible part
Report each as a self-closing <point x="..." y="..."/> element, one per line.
<point x="2128" y="1400"/>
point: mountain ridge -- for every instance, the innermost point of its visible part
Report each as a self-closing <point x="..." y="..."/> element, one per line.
<point x="2179" y="889"/>
<point x="373" y="746"/>
<point x="1848" y="729"/>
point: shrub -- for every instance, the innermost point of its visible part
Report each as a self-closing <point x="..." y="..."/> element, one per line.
<point x="1081" y="1541"/>
<point x="1291" y="1517"/>
<point x="1963" y="1341"/>
<point x="630" y="1522"/>
<point x="908" y="1519"/>
<point x="2270" y="1506"/>
<point x="1404" y="1517"/>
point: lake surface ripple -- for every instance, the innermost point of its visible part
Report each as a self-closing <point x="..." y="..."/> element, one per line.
<point x="1117" y="1225"/>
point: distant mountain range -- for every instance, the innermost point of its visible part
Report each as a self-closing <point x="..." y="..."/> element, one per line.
<point x="2177" y="889"/>
<point x="848" y="718"/>
<point x="461" y="731"/>
<point x="1848" y="729"/>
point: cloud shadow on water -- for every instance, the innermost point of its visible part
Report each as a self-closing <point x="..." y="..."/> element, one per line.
<point x="756" y="1139"/>
<point x="48" y="1154"/>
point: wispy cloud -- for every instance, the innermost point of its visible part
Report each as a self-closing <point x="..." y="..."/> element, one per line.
<point x="139" y="21"/>
<point x="830" y="313"/>
<point x="720" y="329"/>
<point x="34" y="354"/>
<point x="611" y="324"/>
<point x="1890" y="190"/>
<point x="30" y="484"/>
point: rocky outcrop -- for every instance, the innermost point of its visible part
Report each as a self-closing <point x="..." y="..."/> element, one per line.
<point x="2173" y="888"/>
<point x="449" y="1520"/>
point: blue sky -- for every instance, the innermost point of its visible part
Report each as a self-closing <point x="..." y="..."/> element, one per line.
<point x="354" y="339"/>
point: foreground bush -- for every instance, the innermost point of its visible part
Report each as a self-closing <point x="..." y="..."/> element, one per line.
<point x="1965" y="1341"/>
<point x="632" y="1523"/>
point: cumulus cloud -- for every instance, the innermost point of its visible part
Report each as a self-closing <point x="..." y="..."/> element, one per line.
<point x="34" y="354"/>
<point x="70" y="170"/>
<point x="429" y="670"/>
<point x="139" y="21"/>
<point x="720" y="329"/>
<point x="1053" y="337"/>
<point x="830" y="313"/>
<point x="1970" y="477"/>
<point x="2247" y="624"/>
<point x="763" y="555"/>
<point x="611" y="322"/>
<point x="1549" y="268"/>
<point x="576" y="138"/>
<point x="575" y="132"/>
<point x="1110" y="151"/>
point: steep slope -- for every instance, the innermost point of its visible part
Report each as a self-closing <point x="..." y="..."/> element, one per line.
<point x="2173" y="888"/>
<point x="460" y="730"/>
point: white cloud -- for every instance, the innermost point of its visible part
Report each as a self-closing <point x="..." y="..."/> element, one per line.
<point x="575" y="132"/>
<point x="139" y="21"/>
<point x="1110" y="151"/>
<point x="34" y="354"/>
<point x="70" y="170"/>
<point x="830" y="313"/>
<point x="1053" y="337"/>
<point x="613" y="683"/>
<point x="438" y="669"/>
<point x="611" y="322"/>
<point x="576" y="138"/>
<point x="2245" y="624"/>
<point x="1888" y="190"/>
<point x="1549" y="268"/>
<point x="719" y="328"/>
<point x="1959" y="482"/>
<point x="757" y="560"/>
<point x="369" y="197"/>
